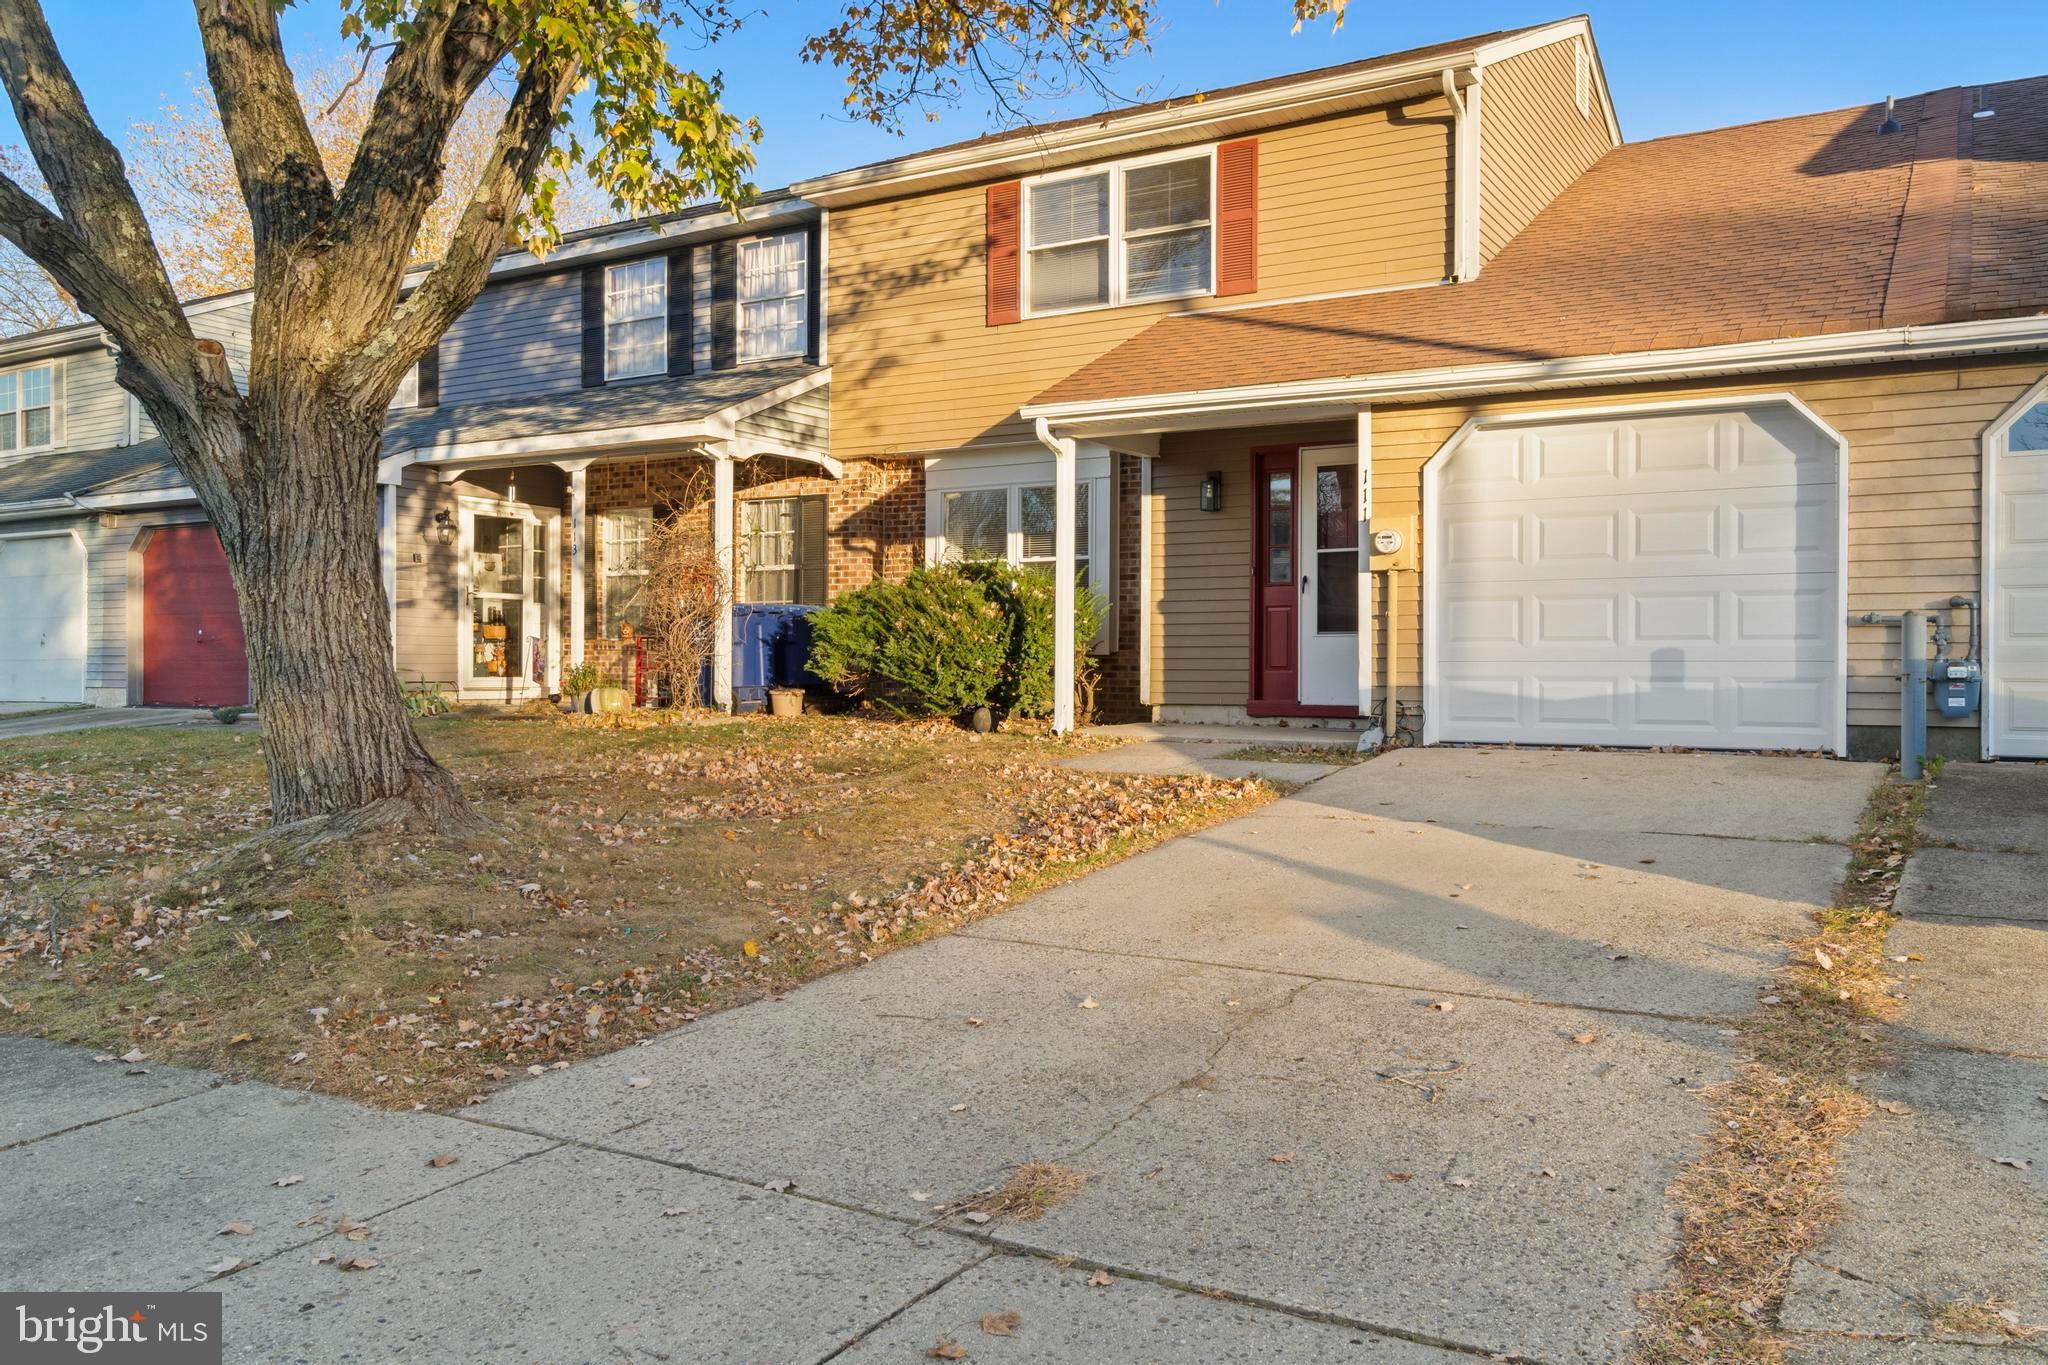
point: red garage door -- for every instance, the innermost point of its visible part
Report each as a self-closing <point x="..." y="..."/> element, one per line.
<point x="192" y="649"/>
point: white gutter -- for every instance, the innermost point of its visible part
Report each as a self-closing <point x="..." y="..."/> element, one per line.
<point x="1936" y="341"/>
<point x="38" y="508"/>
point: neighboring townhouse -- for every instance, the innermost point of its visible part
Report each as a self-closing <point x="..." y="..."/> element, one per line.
<point x="1402" y="392"/>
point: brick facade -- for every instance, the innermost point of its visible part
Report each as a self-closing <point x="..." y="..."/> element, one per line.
<point x="874" y="516"/>
<point x="1116" y="695"/>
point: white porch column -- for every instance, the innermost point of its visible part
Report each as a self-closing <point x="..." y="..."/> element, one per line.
<point x="579" y="554"/>
<point x="722" y="545"/>
<point x="1365" y="678"/>
<point x="387" y="557"/>
<point x="1063" y="588"/>
<point x="1145" y="584"/>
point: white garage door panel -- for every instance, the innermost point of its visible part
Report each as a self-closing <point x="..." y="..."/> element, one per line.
<point x="42" y="619"/>
<point x="1670" y="579"/>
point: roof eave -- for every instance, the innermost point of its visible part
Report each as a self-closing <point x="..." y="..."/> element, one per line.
<point x="1304" y="400"/>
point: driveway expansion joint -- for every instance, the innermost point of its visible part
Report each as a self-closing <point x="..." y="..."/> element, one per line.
<point x="109" y="1118"/>
<point x="988" y="1254"/>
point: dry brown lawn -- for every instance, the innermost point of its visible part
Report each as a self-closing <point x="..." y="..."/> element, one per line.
<point x="632" y="880"/>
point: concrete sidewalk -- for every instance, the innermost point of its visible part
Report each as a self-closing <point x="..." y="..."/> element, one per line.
<point x="1295" y="1151"/>
<point x="1943" y="1242"/>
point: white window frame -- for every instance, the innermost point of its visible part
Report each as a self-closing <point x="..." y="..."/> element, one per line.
<point x="407" y="394"/>
<point x="751" y="510"/>
<point x="1117" y="252"/>
<point x="1096" y="553"/>
<point x="607" y="571"/>
<point x="802" y="292"/>
<point x="661" y="367"/>
<point x="19" y="415"/>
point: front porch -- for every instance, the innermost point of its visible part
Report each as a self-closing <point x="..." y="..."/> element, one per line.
<point x="512" y="539"/>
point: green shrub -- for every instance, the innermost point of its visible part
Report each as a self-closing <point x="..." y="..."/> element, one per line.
<point x="948" y="639"/>
<point x="424" y="698"/>
<point x="1025" y="596"/>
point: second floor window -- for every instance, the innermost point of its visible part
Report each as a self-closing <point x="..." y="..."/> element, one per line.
<point x="773" y="287"/>
<point x="26" y="409"/>
<point x="407" y="394"/>
<point x="1125" y="234"/>
<point x="636" y="318"/>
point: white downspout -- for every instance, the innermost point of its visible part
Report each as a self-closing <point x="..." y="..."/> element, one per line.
<point x="1062" y="449"/>
<point x="1464" y="172"/>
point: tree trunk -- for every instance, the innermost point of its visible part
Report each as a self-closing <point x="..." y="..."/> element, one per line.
<point x="301" y="539"/>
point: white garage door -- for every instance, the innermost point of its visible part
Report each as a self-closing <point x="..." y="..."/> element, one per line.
<point x="42" y="619"/>
<point x="2017" y="613"/>
<point x="1667" y="579"/>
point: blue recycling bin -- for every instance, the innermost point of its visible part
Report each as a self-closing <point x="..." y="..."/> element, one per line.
<point x="771" y="646"/>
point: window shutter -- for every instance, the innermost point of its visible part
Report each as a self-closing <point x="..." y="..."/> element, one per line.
<point x="430" y="376"/>
<point x="60" y="378"/>
<point x="680" y="296"/>
<point x="811" y="587"/>
<point x="593" y="326"/>
<point x="725" y="309"/>
<point x="1004" y="241"/>
<point x="1237" y="217"/>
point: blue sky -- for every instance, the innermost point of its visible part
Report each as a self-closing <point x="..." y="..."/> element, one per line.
<point x="1673" y="66"/>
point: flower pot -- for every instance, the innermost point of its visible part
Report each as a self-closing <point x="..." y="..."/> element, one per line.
<point x="785" y="703"/>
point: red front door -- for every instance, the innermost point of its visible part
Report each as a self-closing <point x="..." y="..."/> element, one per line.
<point x="192" y="648"/>
<point x="1276" y="582"/>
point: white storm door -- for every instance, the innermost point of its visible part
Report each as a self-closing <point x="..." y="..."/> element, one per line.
<point x="2016" y="615"/>
<point x="1667" y="579"/>
<point x="1329" y="528"/>
<point x="42" y="619"/>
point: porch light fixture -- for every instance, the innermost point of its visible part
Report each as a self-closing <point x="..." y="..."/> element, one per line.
<point x="444" y="527"/>
<point x="1212" y="491"/>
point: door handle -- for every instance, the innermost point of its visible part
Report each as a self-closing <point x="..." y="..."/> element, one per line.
<point x="200" y="635"/>
<point x="1304" y="585"/>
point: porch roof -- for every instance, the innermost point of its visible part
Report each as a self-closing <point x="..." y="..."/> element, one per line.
<point x="661" y="407"/>
<point x="39" y="478"/>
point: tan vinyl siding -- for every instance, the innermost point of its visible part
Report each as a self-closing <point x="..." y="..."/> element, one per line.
<point x="1352" y="202"/>
<point x="1533" y="141"/>
<point x="1914" y="439"/>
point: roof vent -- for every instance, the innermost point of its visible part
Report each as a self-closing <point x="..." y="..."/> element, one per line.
<point x="1891" y="122"/>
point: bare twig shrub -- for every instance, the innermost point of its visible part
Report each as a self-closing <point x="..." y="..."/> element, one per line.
<point x="686" y="588"/>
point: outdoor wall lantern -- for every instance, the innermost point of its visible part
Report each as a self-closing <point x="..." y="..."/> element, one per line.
<point x="1212" y="491"/>
<point x="444" y="527"/>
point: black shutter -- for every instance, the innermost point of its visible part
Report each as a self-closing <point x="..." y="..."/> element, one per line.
<point x="811" y="551"/>
<point x="430" y="376"/>
<point x="681" y="297"/>
<point x="814" y="293"/>
<point x="593" y="326"/>
<point x="725" y="309"/>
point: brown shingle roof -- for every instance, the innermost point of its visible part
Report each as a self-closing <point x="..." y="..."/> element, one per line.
<point x="1796" y="227"/>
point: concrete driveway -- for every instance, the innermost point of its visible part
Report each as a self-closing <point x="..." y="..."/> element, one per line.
<point x="32" y="719"/>
<point x="1395" y="1068"/>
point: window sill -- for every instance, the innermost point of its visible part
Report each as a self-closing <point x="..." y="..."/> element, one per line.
<point x="1028" y="315"/>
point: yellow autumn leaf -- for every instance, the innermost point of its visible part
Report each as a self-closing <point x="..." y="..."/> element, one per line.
<point x="751" y="948"/>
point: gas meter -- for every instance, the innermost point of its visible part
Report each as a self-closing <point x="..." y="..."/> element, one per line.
<point x="1958" y="682"/>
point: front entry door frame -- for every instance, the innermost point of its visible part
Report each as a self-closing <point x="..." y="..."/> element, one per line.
<point x="1282" y="648"/>
<point x="545" y="523"/>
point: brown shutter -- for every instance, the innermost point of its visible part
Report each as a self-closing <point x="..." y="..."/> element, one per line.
<point x="1004" y="241"/>
<point x="1237" y="217"/>
<point x="811" y="551"/>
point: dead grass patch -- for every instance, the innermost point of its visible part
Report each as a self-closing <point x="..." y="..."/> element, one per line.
<point x="1980" y="1318"/>
<point x="1336" y="755"/>
<point x="1036" y="1189"/>
<point x="1766" y="1186"/>
<point x="633" y="879"/>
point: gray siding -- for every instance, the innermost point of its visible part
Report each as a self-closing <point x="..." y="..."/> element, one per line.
<point x="804" y="422"/>
<point x="517" y="340"/>
<point x="95" y="407"/>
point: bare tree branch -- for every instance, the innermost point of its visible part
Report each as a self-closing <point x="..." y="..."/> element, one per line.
<point x="100" y="249"/>
<point x="276" y="159"/>
<point x="523" y="143"/>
